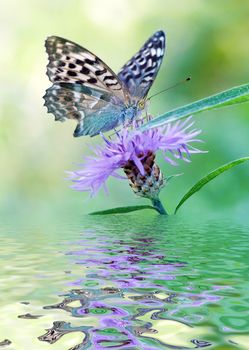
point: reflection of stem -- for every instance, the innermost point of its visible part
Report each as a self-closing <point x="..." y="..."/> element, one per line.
<point x="158" y="206"/>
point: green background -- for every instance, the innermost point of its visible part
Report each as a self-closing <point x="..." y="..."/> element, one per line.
<point x="206" y="39"/>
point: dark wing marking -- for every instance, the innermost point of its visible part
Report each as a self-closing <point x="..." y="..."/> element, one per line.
<point x="91" y="108"/>
<point x="69" y="62"/>
<point x="139" y="73"/>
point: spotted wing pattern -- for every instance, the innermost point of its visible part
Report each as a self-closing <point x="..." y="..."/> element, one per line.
<point x="84" y="88"/>
<point x="87" y="90"/>
<point x="69" y="62"/>
<point x="140" y="71"/>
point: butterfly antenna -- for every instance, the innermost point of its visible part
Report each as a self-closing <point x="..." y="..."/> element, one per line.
<point x="171" y="87"/>
<point x="160" y="92"/>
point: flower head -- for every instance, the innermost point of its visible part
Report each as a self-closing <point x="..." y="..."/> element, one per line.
<point x="134" y="151"/>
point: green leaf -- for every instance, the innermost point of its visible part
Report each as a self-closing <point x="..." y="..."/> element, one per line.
<point x="122" y="210"/>
<point x="208" y="178"/>
<point x="235" y="95"/>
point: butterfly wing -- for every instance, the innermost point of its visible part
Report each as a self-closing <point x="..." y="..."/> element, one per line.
<point x="85" y="88"/>
<point x="92" y="109"/>
<point x="69" y="62"/>
<point x="140" y="71"/>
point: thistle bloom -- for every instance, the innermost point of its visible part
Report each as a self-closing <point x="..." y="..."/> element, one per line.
<point x="134" y="151"/>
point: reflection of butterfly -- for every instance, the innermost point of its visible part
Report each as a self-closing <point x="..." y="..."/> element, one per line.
<point x="87" y="90"/>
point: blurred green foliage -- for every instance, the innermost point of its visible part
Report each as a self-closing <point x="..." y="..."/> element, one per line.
<point x="206" y="39"/>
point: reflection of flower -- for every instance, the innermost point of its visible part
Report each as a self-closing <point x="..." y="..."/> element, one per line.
<point x="130" y="290"/>
<point x="134" y="151"/>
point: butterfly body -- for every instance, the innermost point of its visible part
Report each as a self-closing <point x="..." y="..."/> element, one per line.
<point x="87" y="90"/>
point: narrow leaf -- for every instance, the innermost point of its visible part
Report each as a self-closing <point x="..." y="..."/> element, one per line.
<point x="122" y="210"/>
<point x="208" y="178"/>
<point x="235" y="95"/>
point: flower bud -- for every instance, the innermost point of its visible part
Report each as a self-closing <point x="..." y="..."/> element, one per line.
<point x="149" y="184"/>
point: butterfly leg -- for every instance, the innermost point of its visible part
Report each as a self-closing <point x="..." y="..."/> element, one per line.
<point x="114" y="133"/>
<point x="147" y="116"/>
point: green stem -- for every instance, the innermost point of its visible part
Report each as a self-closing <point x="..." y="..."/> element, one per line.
<point x="157" y="204"/>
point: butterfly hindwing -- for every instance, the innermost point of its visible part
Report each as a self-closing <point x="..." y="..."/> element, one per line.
<point x="69" y="62"/>
<point x="140" y="71"/>
<point x="92" y="109"/>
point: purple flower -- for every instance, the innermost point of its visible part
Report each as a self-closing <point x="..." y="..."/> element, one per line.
<point x="134" y="151"/>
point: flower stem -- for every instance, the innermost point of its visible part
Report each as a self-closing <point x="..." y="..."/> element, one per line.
<point x="157" y="204"/>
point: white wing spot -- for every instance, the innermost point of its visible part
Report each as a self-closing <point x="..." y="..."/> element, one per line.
<point x="153" y="51"/>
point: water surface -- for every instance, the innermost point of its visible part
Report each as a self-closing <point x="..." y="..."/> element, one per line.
<point x="125" y="282"/>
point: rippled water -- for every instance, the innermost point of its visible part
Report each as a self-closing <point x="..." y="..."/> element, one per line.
<point x="125" y="282"/>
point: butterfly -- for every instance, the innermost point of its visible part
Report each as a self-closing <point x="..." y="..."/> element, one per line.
<point x="87" y="90"/>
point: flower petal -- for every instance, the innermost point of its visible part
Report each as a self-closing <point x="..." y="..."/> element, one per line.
<point x="134" y="145"/>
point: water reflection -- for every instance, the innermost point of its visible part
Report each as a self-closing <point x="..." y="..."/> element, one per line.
<point x="126" y="292"/>
<point x="126" y="282"/>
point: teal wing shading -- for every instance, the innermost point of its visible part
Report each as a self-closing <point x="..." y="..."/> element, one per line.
<point x="93" y="109"/>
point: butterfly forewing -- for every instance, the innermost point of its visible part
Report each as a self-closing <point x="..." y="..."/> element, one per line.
<point x="140" y="71"/>
<point x="69" y="62"/>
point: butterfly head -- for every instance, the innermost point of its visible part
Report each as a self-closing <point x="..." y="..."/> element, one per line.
<point x="141" y="104"/>
<point x="135" y="109"/>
